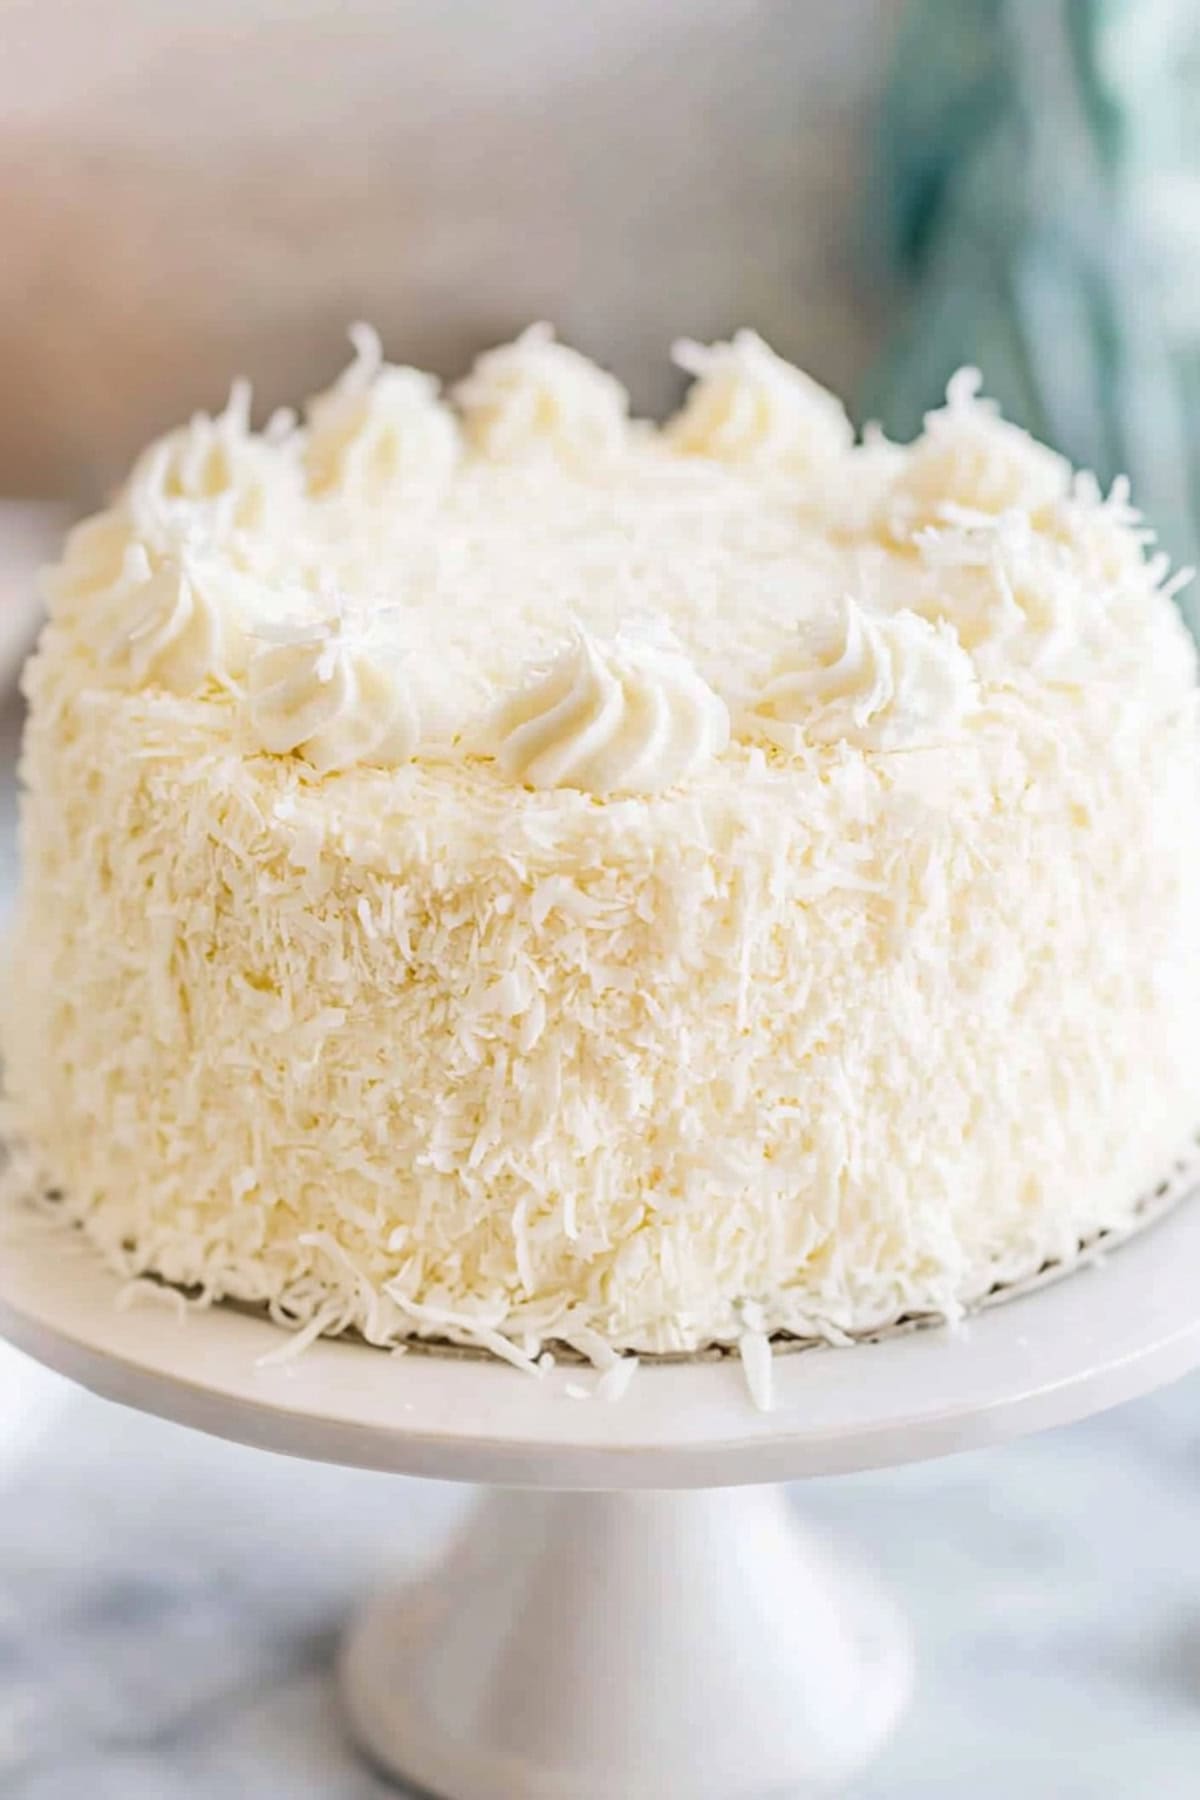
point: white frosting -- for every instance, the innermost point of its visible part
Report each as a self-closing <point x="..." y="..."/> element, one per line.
<point x="627" y="717"/>
<point x="380" y="433"/>
<point x="1013" y="597"/>
<point x="539" y="395"/>
<point x="178" y="631"/>
<point x="749" y="406"/>
<point x="892" y="682"/>
<point x="430" y="1044"/>
<point x="970" y="463"/>
<point x="103" y="560"/>
<point x="214" y="476"/>
<point x="330" y="697"/>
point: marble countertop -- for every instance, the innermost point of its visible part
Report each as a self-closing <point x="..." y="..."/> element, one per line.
<point x="169" y="1604"/>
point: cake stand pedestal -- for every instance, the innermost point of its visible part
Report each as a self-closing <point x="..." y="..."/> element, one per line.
<point x="642" y="1618"/>
<point x="651" y="1646"/>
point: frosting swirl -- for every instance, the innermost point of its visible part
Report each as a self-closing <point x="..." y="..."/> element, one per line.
<point x="624" y="717"/>
<point x="327" y="695"/>
<point x="215" y="471"/>
<point x="537" y="394"/>
<point x="749" y="406"/>
<point x="1014" y="596"/>
<point x="102" y="562"/>
<point x="971" y="463"/>
<point x="379" y="430"/>
<point x="892" y="682"/>
<point x="178" y="631"/>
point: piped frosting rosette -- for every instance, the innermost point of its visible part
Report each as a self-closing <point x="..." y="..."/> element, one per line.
<point x="331" y="694"/>
<point x="627" y="715"/>
<point x="879" y="681"/>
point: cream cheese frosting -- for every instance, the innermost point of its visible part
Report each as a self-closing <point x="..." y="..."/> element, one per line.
<point x="749" y="406"/>
<point x="214" y="477"/>
<point x="379" y="433"/>
<point x="540" y="396"/>
<point x="891" y="683"/>
<point x="326" y="694"/>
<point x="970" y="464"/>
<point x="176" y="630"/>
<point x="496" y="869"/>
<point x="628" y="717"/>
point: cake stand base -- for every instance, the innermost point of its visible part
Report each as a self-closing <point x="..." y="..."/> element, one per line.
<point x="644" y="1646"/>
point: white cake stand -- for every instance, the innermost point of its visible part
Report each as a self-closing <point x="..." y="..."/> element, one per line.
<point x="627" y="1630"/>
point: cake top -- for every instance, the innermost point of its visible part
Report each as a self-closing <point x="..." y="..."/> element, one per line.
<point x="522" y="582"/>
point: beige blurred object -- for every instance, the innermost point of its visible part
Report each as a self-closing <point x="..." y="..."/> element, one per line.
<point x="30" y="534"/>
<point x="188" y="191"/>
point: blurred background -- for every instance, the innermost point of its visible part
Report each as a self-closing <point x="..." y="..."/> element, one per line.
<point x="885" y="189"/>
<point x="194" y="191"/>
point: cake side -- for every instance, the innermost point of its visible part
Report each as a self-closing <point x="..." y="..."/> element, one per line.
<point x="782" y="917"/>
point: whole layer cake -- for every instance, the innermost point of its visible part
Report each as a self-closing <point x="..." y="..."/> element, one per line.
<point x="499" y="870"/>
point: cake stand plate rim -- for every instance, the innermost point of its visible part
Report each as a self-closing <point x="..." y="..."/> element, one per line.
<point x="1104" y="1334"/>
